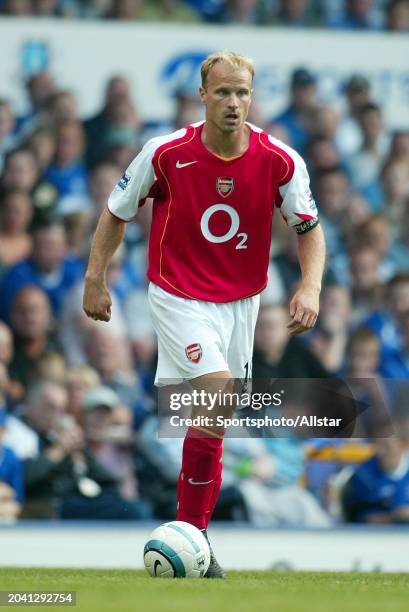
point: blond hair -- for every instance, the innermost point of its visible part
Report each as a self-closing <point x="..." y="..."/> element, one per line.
<point x="234" y="60"/>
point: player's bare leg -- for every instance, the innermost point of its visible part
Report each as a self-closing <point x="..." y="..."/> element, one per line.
<point x="201" y="474"/>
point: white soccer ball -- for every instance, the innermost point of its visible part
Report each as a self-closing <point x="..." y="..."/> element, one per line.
<point x="176" y="550"/>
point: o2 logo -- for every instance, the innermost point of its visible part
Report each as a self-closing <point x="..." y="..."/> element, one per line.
<point x="234" y="226"/>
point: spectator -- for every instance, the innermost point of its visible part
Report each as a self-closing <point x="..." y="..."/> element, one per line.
<point x="267" y="474"/>
<point x="14" y="391"/>
<point x="20" y="170"/>
<point x="103" y="177"/>
<point x="207" y="9"/>
<point x="7" y="125"/>
<point x="321" y="154"/>
<point x="112" y="361"/>
<point x="362" y="354"/>
<point x="48" y="267"/>
<point x="18" y="8"/>
<point x="385" y="320"/>
<point x="395" y="363"/>
<point x="65" y="480"/>
<point x="295" y="13"/>
<point x="109" y="436"/>
<point x="331" y="188"/>
<point x="22" y="173"/>
<point x="16" y="212"/>
<point x="241" y="12"/>
<point x="400" y="413"/>
<point x="377" y="492"/>
<point x="120" y="146"/>
<point x="330" y="337"/>
<point x="397" y="16"/>
<point x="76" y="217"/>
<point x="357" y="15"/>
<point x="42" y="143"/>
<point x="394" y="256"/>
<point x="365" y="281"/>
<point x="400" y="145"/>
<point x="68" y="173"/>
<point x="362" y="363"/>
<point x="31" y="322"/>
<point x="358" y="94"/>
<point x="79" y="380"/>
<point x="40" y="86"/>
<point x="365" y="165"/>
<point x="323" y="121"/>
<point x="188" y="110"/>
<point x="126" y="10"/>
<point x="6" y="345"/>
<point x="117" y="91"/>
<point x="11" y="476"/>
<point x="294" y="119"/>
<point x="357" y="211"/>
<point x="276" y="354"/>
<point x="284" y="271"/>
<point x="395" y="187"/>
<point x="62" y="106"/>
<point x="45" y="8"/>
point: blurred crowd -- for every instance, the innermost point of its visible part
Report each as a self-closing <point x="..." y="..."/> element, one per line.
<point x="78" y="416"/>
<point x="389" y="15"/>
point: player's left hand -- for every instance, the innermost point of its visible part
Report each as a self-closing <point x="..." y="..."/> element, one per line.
<point x="304" y="308"/>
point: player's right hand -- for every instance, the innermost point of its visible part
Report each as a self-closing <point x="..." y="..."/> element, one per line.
<point x="96" y="301"/>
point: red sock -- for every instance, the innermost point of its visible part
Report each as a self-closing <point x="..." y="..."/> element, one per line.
<point x="198" y="477"/>
<point x="215" y="492"/>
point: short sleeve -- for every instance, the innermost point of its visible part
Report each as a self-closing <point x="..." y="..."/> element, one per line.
<point x="295" y="200"/>
<point x="135" y="185"/>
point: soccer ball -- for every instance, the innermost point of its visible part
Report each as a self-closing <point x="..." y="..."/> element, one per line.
<point x="176" y="550"/>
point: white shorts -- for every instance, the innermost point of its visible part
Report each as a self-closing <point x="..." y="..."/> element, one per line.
<point x="197" y="337"/>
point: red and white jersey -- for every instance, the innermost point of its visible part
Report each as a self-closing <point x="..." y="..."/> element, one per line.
<point x="211" y="225"/>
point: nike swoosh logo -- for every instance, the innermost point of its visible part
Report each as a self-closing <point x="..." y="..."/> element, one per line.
<point x="192" y="482"/>
<point x="180" y="165"/>
<point x="157" y="563"/>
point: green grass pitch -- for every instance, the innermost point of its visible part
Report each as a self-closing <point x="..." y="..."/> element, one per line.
<point x="123" y="590"/>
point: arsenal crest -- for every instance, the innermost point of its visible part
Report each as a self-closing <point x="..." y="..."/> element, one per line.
<point x="224" y="185"/>
<point x="194" y="352"/>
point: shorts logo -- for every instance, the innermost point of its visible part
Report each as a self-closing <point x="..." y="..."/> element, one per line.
<point x="224" y="185"/>
<point x="194" y="352"/>
<point x="124" y="181"/>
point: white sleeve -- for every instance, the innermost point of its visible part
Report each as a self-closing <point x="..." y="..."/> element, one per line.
<point x="298" y="207"/>
<point x="135" y="184"/>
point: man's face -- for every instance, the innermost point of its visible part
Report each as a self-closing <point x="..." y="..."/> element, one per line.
<point x="365" y="268"/>
<point x="49" y="248"/>
<point x="364" y="358"/>
<point x="271" y="329"/>
<point x="31" y="314"/>
<point x="21" y="171"/>
<point x="399" y="298"/>
<point x="70" y="143"/>
<point x="43" y="413"/>
<point x="227" y="97"/>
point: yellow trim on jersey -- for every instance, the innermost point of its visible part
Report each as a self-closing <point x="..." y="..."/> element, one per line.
<point x="168" y="215"/>
<point x="227" y="158"/>
<point x="277" y="153"/>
